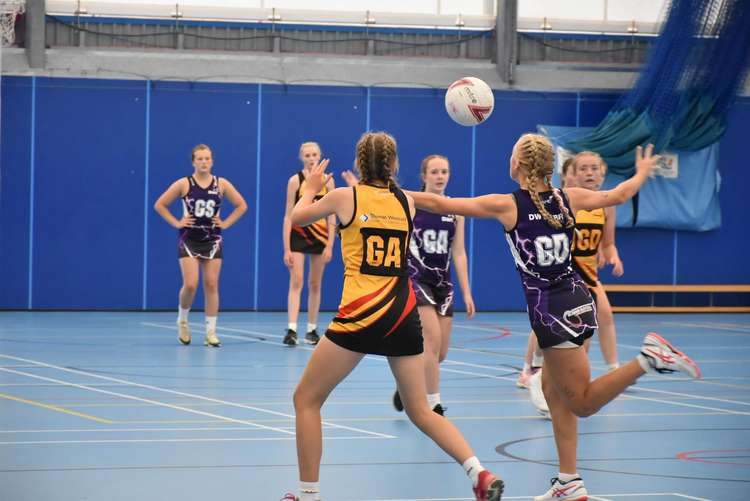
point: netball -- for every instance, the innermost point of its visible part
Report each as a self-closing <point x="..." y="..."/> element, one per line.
<point x="469" y="101"/>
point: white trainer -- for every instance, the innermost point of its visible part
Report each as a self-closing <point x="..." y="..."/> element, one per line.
<point x="183" y="330"/>
<point x="537" y="395"/>
<point x="211" y="339"/>
<point x="665" y="358"/>
<point x="572" y="490"/>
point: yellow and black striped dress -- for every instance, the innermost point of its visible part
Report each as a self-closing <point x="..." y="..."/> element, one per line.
<point x="377" y="313"/>
<point x="588" y="235"/>
<point x="313" y="238"/>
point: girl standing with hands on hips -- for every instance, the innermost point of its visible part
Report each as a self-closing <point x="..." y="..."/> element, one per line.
<point x="200" y="244"/>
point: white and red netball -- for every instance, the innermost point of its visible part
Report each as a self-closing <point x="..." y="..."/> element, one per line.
<point x="469" y="101"/>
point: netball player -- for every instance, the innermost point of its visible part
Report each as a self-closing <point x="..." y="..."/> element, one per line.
<point x="435" y="239"/>
<point x="533" y="359"/>
<point x="593" y="247"/>
<point x="200" y="244"/>
<point x="539" y="225"/>
<point x="315" y="240"/>
<point x="377" y="313"/>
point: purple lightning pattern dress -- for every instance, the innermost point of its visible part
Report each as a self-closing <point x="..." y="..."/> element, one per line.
<point x="203" y="239"/>
<point x="559" y="304"/>
<point x="430" y="260"/>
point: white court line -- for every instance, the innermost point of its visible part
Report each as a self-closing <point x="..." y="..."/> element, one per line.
<point x="694" y="397"/>
<point x="682" y="404"/>
<point x="689" y="497"/>
<point x="499" y="330"/>
<point x="153" y="402"/>
<point x="171" y="440"/>
<point x="598" y="496"/>
<point x="229" y="329"/>
<point x="513" y="378"/>
<point x="184" y="394"/>
<point x="340" y="420"/>
<point x="727" y="411"/>
<point x="737" y="328"/>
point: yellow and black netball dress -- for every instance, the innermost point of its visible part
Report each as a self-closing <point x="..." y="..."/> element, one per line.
<point x="310" y="239"/>
<point x="588" y="236"/>
<point x="378" y="312"/>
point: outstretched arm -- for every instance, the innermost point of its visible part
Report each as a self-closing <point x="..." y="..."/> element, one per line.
<point x="501" y="207"/>
<point x="645" y="162"/>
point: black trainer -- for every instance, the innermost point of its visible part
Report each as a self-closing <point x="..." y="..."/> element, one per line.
<point x="439" y="409"/>
<point x="397" y="403"/>
<point x="312" y="337"/>
<point x="290" y="338"/>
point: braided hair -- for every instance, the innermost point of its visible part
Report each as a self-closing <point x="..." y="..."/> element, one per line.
<point x="377" y="158"/>
<point x="535" y="156"/>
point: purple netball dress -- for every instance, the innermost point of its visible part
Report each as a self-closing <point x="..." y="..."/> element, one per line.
<point x="559" y="304"/>
<point x="203" y="239"/>
<point x="430" y="260"/>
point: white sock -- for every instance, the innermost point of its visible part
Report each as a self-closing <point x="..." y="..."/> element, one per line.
<point x="433" y="399"/>
<point x="309" y="491"/>
<point x="311" y="327"/>
<point x="643" y="362"/>
<point x="182" y="314"/>
<point x="210" y="324"/>
<point x="537" y="360"/>
<point x="567" y="477"/>
<point x="614" y="366"/>
<point x="526" y="367"/>
<point x="292" y="326"/>
<point x="473" y="468"/>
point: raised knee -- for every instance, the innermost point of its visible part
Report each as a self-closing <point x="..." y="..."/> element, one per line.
<point x="190" y="287"/>
<point x="583" y="410"/>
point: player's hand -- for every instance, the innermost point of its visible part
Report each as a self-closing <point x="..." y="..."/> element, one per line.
<point x="470" y="308"/>
<point x="288" y="261"/>
<point x="349" y="178"/>
<point x="327" y="254"/>
<point x="645" y="160"/>
<point x="218" y="223"/>
<point x="317" y="179"/>
<point x="186" y="222"/>
<point x="601" y="262"/>
<point x="617" y="268"/>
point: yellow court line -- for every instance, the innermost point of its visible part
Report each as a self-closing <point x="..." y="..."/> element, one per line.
<point x="56" y="408"/>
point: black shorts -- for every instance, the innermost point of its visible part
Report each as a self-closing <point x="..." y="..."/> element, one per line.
<point x="210" y="249"/>
<point x="441" y="298"/>
<point x="406" y="339"/>
<point x="305" y="244"/>
<point x="560" y="311"/>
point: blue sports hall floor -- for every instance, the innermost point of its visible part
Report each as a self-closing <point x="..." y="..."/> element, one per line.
<point x="109" y="406"/>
